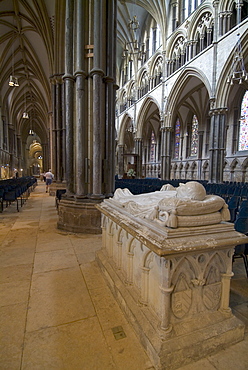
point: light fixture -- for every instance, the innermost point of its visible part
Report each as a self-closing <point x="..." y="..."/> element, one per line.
<point x="133" y="23"/>
<point x="31" y="132"/>
<point x="238" y="72"/>
<point x="131" y="128"/>
<point x="25" y="114"/>
<point x="13" y="81"/>
<point x="133" y="47"/>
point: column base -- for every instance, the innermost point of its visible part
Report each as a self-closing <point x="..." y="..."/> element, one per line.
<point x="79" y="216"/>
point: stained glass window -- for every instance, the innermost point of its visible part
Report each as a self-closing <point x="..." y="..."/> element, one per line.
<point x="194" y="136"/>
<point x="177" y="139"/>
<point x="243" y="126"/>
<point x="152" y="147"/>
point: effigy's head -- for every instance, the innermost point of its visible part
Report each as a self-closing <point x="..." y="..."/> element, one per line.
<point x="191" y="190"/>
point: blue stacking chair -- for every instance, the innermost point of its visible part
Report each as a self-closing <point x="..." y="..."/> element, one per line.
<point x="1" y="198"/>
<point x="241" y="251"/>
<point x="233" y="205"/>
<point x="59" y="193"/>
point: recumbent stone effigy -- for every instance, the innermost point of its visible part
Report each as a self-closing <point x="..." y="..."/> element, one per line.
<point x="167" y="256"/>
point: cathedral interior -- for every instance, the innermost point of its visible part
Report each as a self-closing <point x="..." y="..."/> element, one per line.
<point x="119" y="93"/>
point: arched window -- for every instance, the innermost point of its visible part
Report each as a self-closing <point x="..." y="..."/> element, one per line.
<point x="243" y="126"/>
<point x="152" y="147"/>
<point x="205" y="29"/>
<point x="194" y="136"/>
<point x="183" y="12"/>
<point x="177" y="139"/>
<point x="144" y="85"/>
<point x="189" y="6"/>
<point x="123" y="104"/>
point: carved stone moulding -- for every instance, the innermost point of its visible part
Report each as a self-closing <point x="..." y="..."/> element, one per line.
<point x="173" y="284"/>
<point x="79" y="216"/>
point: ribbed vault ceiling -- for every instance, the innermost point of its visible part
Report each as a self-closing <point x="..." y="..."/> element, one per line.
<point x="26" y="51"/>
<point x="27" y="44"/>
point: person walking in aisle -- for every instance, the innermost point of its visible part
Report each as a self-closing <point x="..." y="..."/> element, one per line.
<point x="49" y="179"/>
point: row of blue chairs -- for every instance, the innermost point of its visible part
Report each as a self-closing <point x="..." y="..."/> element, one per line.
<point x="226" y="190"/>
<point x="58" y="196"/>
<point x="16" y="190"/>
<point x="241" y="225"/>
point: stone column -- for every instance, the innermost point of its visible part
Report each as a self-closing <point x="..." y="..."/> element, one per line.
<point x="97" y="74"/>
<point x="120" y="160"/>
<point x="109" y="172"/>
<point x="239" y="5"/>
<point x="58" y="124"/>
<point x="53" y="136"/>
<point x="89" y="116"/>
<point x="200" y="148"/>
<point x="217" y="144"/>
<point x="166" y="153"/>
<point x="138" y="150"/>
<point x="215" y="46"/>
<point x="45" y="156"/>
<point x="162" y="153"/>
<point x="144" y="285"/>
<point x="63" y="139"/>
<point x="81" y="124"/>
<point x="69" y="87"/>
<point x="225" y="294"/>
<point x="129" y="279"/>
<point x="19" y="151"/>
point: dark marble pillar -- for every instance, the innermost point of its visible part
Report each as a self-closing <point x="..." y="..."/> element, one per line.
<point x="110" y="81"/>
<point x="89" y="112"/>
<point x="69" y="88"/>
<point x="80" y="124"/>
<point x="97" y="74"/>
<point x="217" y="145"/>
<point x="53" y="139"/>
<point x="120" y="160"/>
<point x="58" y="129"/>
<point x="138" y="150"/>
<point x="166" y="152"/>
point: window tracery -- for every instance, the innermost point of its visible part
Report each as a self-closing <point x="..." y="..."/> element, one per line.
<point x="178" y="54"/>
<point x="194" y="136"/>
<point x="243" y="125"/>
<point x="177" y="139"/>
<point x="152" y="147"/>
<point x="157" y="72"/>
<point x="204" y="35"/>
<point x="123" y="105"/>
<point x="131" y="95"/>
<point x="144" y="84"/>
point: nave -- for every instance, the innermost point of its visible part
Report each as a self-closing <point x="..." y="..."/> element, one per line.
<point x="56" y="309"/>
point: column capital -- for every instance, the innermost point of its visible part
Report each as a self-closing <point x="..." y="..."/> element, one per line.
<point x="68" y="76"/>
<point x="215" y="3"/>
<point x="218" y="111"/>
<point x="96" y="71"/>
<point x="109" y="79"/>
<point x="80" y="72"/>
<point x="166" y="129"/>
<point x="56" y="78"/>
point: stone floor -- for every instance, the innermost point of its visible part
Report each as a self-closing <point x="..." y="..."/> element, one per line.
<point x="56" y="310"/>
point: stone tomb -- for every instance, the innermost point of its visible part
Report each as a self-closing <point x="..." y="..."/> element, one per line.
<point x="168" y="261"/>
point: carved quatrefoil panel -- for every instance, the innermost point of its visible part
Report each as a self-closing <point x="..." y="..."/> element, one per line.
<point x="181" y="298"/>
